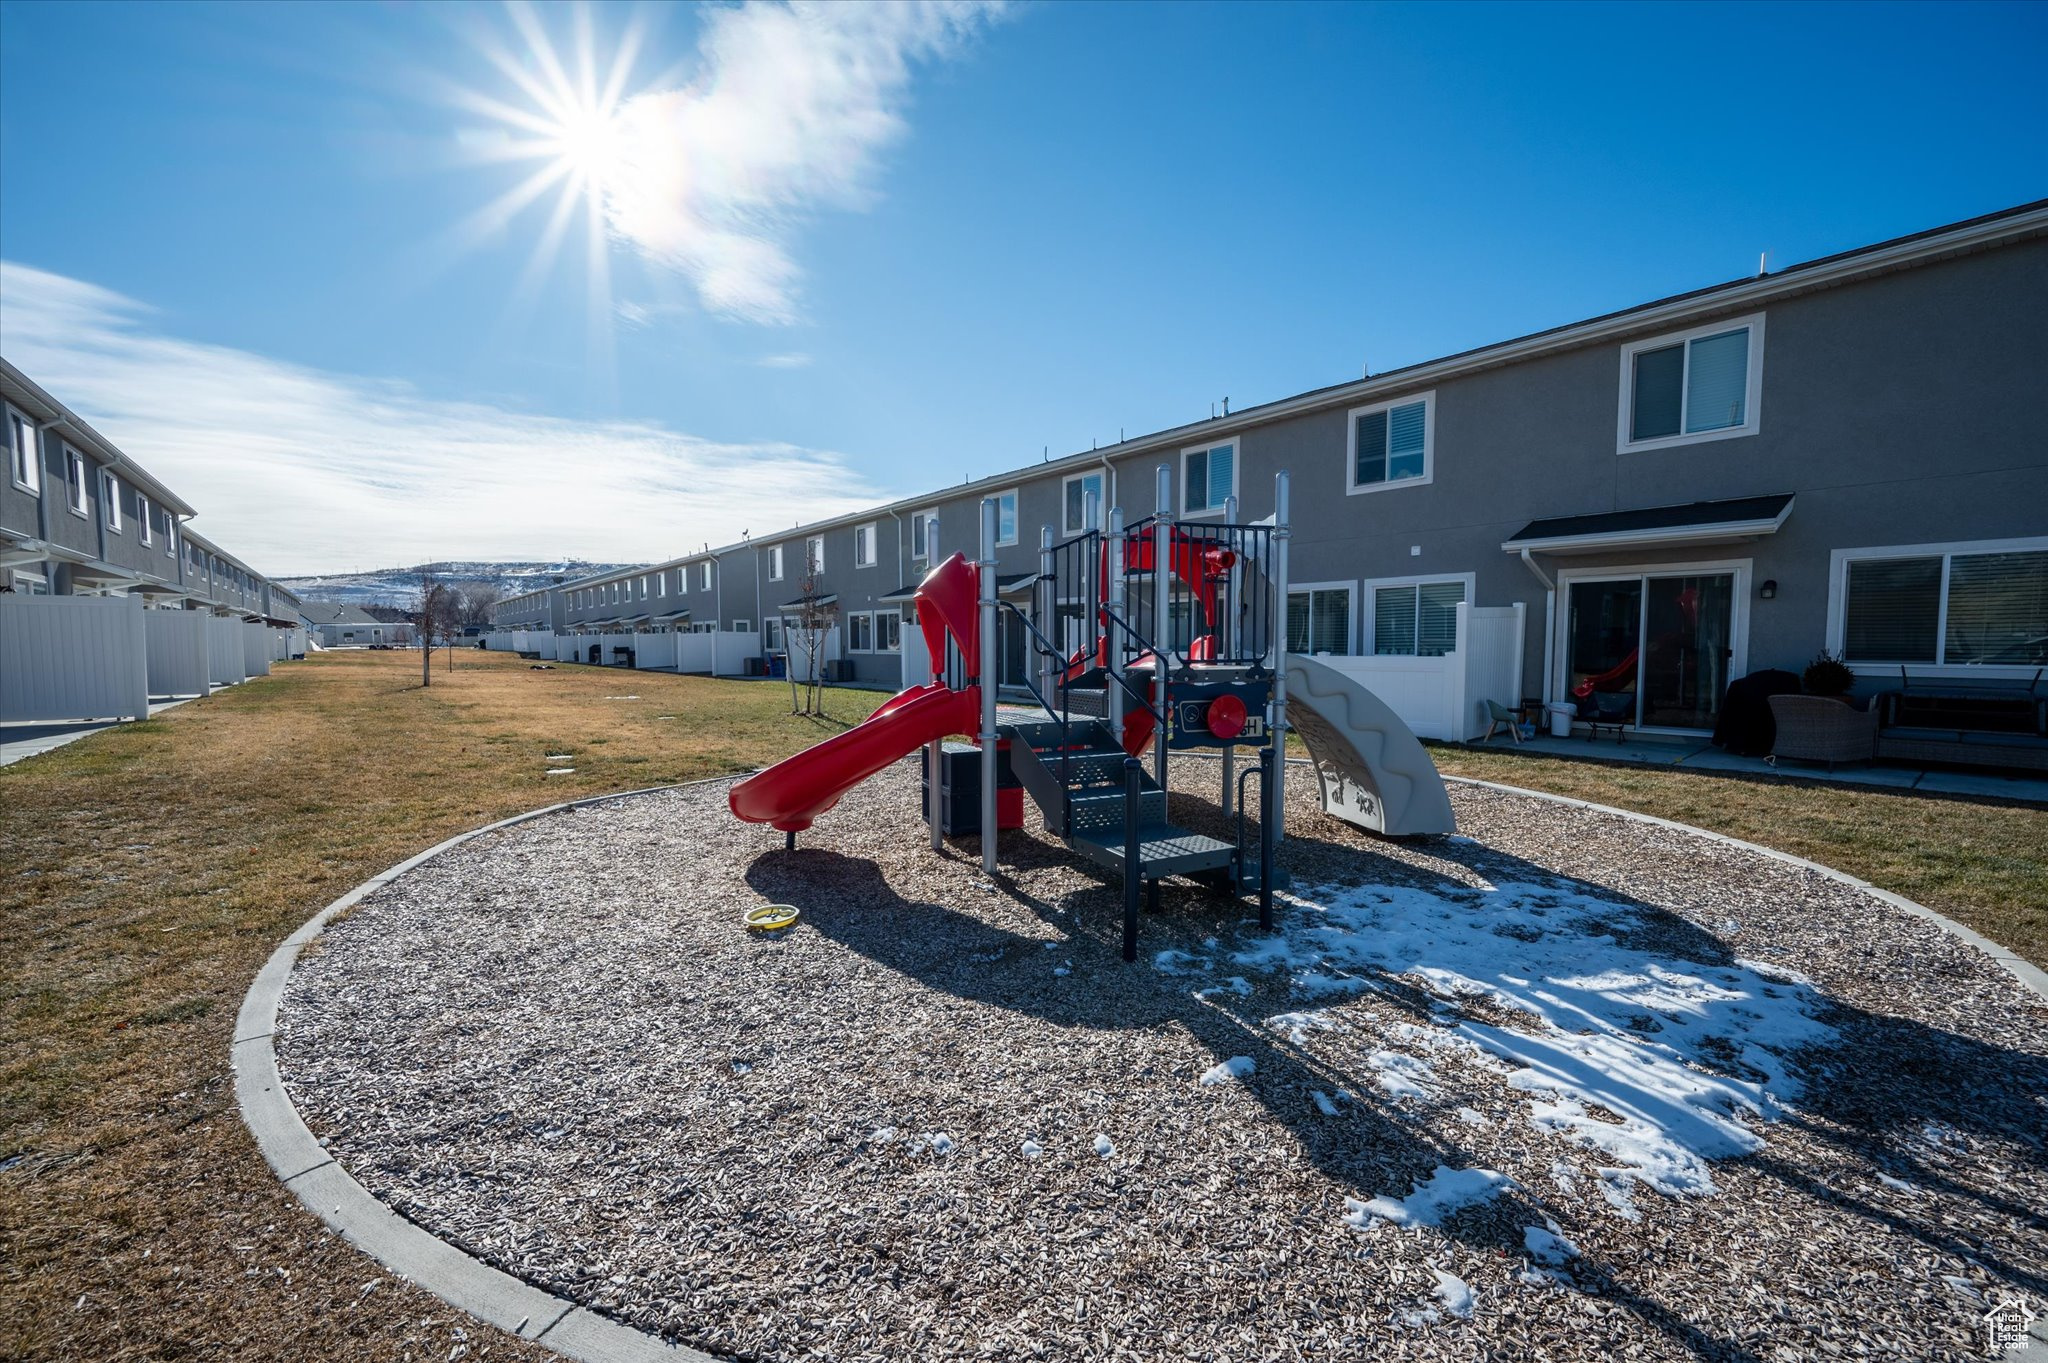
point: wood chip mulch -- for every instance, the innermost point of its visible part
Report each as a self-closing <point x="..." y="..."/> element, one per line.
<point x="879" y="1134"/>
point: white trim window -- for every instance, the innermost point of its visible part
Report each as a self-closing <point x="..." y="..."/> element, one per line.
<point x="771" y="634"/>
<point x="775" y="563"/>
<point x="1074" y="490"/>
<point x="74" y="483"/>
<point x="814" y="555"/>
<point x="22" y="463"/>
<point x="110" y="492"/>
<point x="888" y="631"/>
<point x="923" y="526"/>
<point x="1980" y="604"/>
<point x="1319" y="617"/>
<point x="864" y="555"/>
<point x="144" y="519"/>
<point x="704" y="576"/>
<point x="1006" y="517"/>
<point x="661" y="584"/>
<point x="1208" y="478"/>
<point x="1391" y="444"/>
<point x="860" y="628"/>
<point x="1702" y="384"/>
<point x="1414" y="617"/>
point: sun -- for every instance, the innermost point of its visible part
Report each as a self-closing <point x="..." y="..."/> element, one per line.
<point x="558" y="118"/>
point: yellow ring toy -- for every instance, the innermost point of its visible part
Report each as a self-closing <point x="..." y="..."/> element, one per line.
<point x="771" y="917"/>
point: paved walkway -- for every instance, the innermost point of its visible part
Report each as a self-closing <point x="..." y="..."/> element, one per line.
<point x="18" y="741"/>
<point x="1698" y="755"/>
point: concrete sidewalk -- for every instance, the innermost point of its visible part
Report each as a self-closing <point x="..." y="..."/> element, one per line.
<point x="19" y="741"/>
<point x="1695" y="754"/>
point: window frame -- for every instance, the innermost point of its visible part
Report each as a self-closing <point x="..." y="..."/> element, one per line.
<point x="704" y="576"/>
<point x="1236" y="464"/>
<point x="814" y="564"/>
<point x="1102" y="495"/>
<point x="866" y="619"/>
<point x="1369" y="588"/>
<point x="921" y="521"/>
<point x="1753" y="388"/>
<point x="146" y="531"/>
<point x="1016" y="517"/>
<point x="872" y="533"/>
<point x="23" y="459"/>
<point x="1354" y="488"/>
<point x="1947" y="550"/>
<point x="110" y="494"/>
<point x="775" y="562"/>
<point x="896" y="619"/>
<point x="1349" y="586"/>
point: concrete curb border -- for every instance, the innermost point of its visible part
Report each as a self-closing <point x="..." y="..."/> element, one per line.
<point x="407" y="1250"/>
<point x="496" y="1297"/>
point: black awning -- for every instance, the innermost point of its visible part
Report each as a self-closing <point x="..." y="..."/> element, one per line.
<point x="1694" y="523"/>
<point x="813" y="602"/>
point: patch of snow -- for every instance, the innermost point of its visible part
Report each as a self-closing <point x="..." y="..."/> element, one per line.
<point x="1454" y="1294"/>
<point x="1066" y="969"/>
<point x="1236" y="984"/>
<point x="1564" y="1176"/>
<point x="742" y="1067"/>
<point x="882" y="1135"/>
<point x="561" y="771"/>
<point x="1546" y="1245"/>
<point x="1237" y="1067"/>
<point x="1898" y="1184"/>
<point x="1104" y="1146"/>
<point x="1474" y="1117"/>
<point x="1299" y="1025"/>
<point x="1618" y="1187"/>
<point x="1551" y="956"/>
<point x="1436" y="1197"/>
<point x="1173" y="962"/>
<point x="942" y="1143"/>
<point x="559" y="756"/>
<point x="1323" y="1103"/>
<point x="1402" y="1075"/>
<point x="1031" y="1149"/>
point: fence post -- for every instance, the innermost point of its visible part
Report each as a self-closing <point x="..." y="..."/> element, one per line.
<point x="137" y="630"/>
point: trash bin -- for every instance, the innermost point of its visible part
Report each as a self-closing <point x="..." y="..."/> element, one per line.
<point x="1562" y="713"/>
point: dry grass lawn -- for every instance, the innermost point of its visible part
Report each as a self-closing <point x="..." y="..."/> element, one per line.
<point x="147" y="872"/>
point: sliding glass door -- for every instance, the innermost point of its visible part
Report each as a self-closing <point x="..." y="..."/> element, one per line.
<point x="1650" y="650"/>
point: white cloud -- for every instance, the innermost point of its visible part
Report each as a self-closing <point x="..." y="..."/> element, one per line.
<point x="791" y="108"/>
<point x="298" y="470"/>
<point x="795" y="359"/>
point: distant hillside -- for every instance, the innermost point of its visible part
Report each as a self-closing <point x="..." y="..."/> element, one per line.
<point x="399" y="586"/>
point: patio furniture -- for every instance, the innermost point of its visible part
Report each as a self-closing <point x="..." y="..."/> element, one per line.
<point x="1499" y="716"/>
<point x="1614" y="710"/>
<point x="1822" y="729"/>
<point x="1986" y="723"/>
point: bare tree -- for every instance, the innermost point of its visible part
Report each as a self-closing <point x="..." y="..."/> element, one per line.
<point x="476" y="601"/>
<point x="433" y="616"/>
<point x="807" y="631"/>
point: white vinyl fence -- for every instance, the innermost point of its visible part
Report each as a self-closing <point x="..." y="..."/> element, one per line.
<point x="720" y="654"/>
<point x="255" y="649"/>
<point x="224" y="651"/>
<point x="73" y="657"/>
<point x="655" y="651"/>
<point x="1445" y="697"/>
<point x="176" y="644"/>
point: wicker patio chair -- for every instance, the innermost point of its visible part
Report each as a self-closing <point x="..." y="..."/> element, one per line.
<point x="1822" y="729"/>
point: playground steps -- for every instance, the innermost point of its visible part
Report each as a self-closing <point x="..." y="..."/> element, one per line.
<point x="1087" y="809"/>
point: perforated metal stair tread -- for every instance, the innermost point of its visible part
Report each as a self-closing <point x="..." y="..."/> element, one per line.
<point x="1163" y="850"/>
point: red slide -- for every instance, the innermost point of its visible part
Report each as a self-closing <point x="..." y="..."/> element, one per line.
<point x="798" y="789"/>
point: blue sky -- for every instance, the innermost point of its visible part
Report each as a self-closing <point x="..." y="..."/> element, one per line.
<point x="849" y="253"/>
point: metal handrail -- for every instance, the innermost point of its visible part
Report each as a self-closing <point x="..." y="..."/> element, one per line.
<point x="1159" y="714"/>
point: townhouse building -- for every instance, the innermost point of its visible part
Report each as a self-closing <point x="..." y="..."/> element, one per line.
<point x="1841" y="456"/>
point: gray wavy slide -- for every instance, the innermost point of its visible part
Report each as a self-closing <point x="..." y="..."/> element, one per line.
<point x="1373" y="771"/>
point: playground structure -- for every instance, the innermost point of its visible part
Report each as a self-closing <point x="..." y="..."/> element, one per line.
<point x="1159" y="635"/>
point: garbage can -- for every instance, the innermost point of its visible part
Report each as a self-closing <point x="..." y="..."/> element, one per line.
<point x="1562" y="713"/>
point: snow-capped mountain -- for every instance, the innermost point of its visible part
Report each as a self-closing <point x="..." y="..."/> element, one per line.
<point x="400" y="586"/>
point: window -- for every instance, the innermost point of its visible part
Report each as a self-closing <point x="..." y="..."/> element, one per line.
<point x="74" y="481"/>
<point x="859" y="633"/>
<point x="110" y="493"/>
<point x="1393" y="444"/>
<point x="920" y="533"/>
<point x="21" y="451"/>
<point x="643" y="588"/>
<point x="660" y="584"/>
<point x="888" y="631"/>
<point x="704" y="575"/>
<point x="1208" y="478"/>
<point x="775" y="563"/>
<point x="1319" y="620"/>
<point x="741" y="627"/>
<point x="145" y="520"/>
<point x="1698" y="385"/>
<point x="864" y="546"/>
<point x="1074" y="493"/>
<point x="1415" y="619"/>
<point x="1968" y="606"/>
<point x="771" y="634"/>
<point x="1006" y="517"/>
<point x="814" y="555"/>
